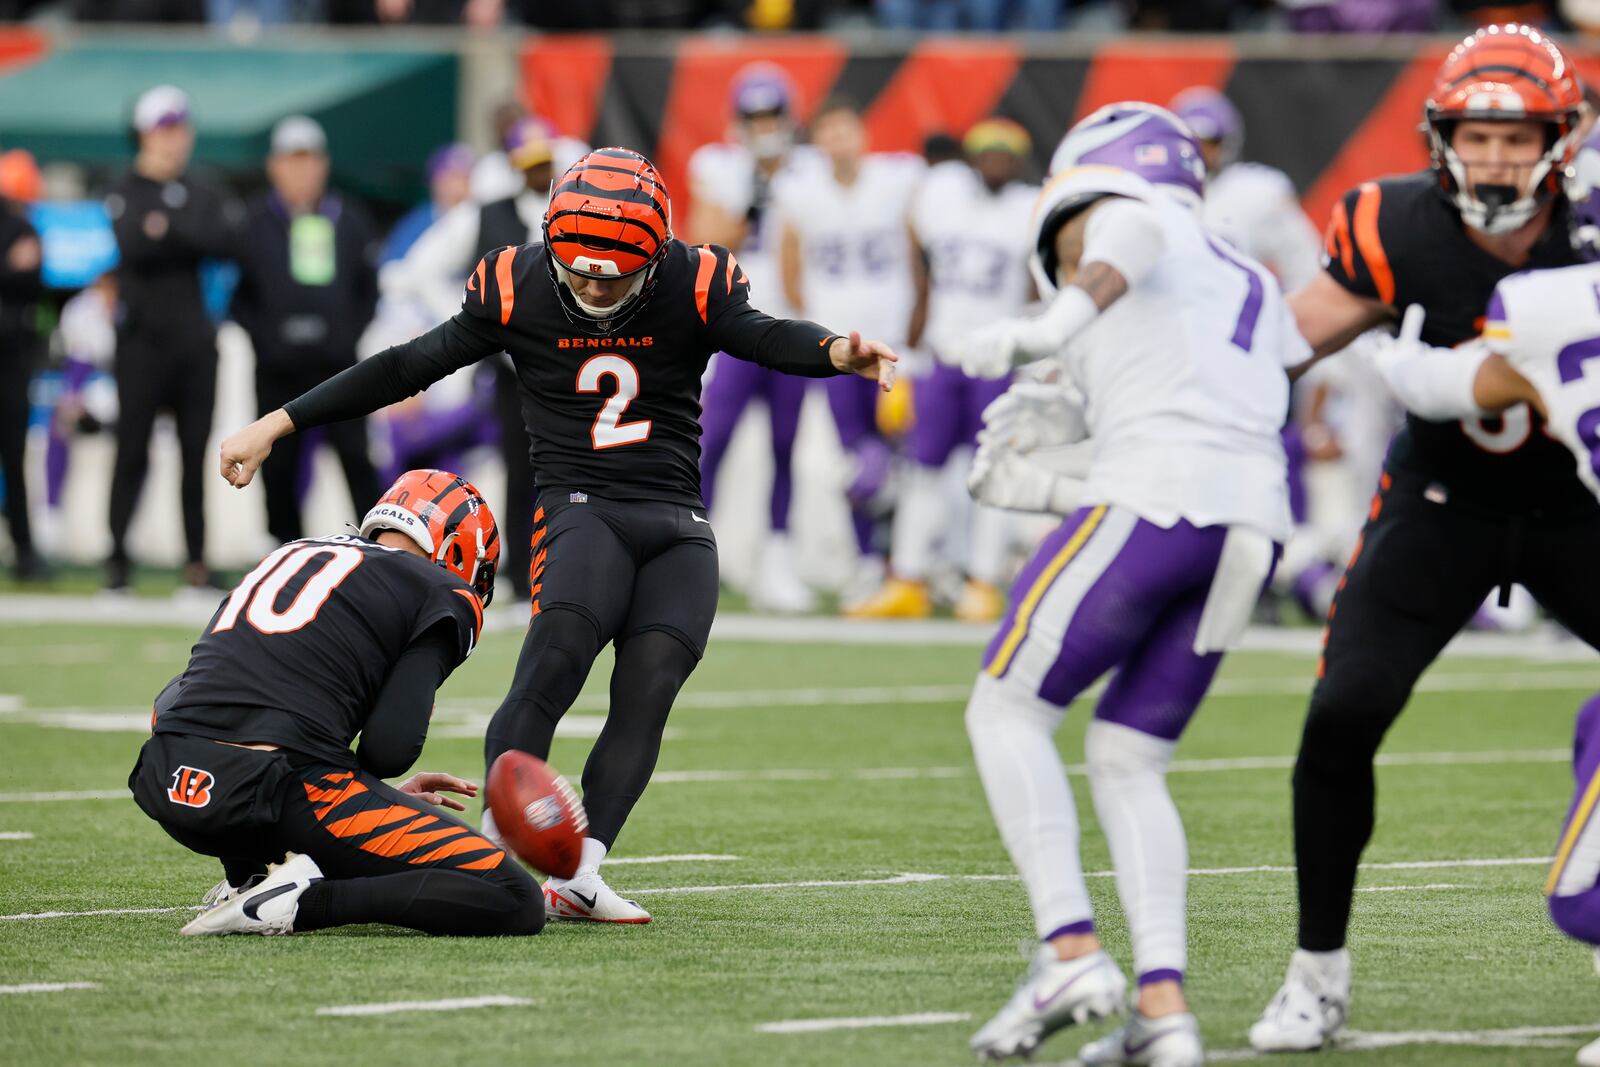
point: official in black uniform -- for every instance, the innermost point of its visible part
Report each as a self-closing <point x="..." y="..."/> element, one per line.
<point x="250" y="759"/>
<point x="610" y="324"/>
<point x="1462" y="507"/>
<point x="308" y="286"/>
<point x="21" y="258"/>
<point x="165" y="220"/>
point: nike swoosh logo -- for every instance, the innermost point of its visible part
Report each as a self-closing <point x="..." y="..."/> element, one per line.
<point x="697" y="518"/>
<point x="255" y="902"/>
<point x="824" y="342"/>
<point x="1041" y="1004"/>
<point x="1134" y="1050"/>
<point x="587" y="902"/>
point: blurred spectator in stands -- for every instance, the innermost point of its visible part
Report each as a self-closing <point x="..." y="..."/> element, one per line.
<point x="496" y="176"/>
<point x="20" y="180"/>
<point x="1362" y="16"/>
<point x="308" y="286"/>
<point x="87" y="340"/>
<point x="940" y="148"/>
<point x="140" y="10"/>
<point x="21" y="259"/>
<point x="166" y="220"/>
<point x="449" y="174"/>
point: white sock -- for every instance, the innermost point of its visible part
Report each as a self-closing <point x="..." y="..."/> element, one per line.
<point x="594" y="854"/>
<point x="991" y="541"/>
<point x="1326" y="972"/>
<point x="919" y="519"/>
<point x="1128" y="779"/>
<point x="488" y="829"/>
<point x="1012" y="738"/>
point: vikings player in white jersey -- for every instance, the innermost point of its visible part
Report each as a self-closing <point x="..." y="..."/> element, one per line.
<point x="1540" y="346"/>
<point x="847" y="257"/>
<point x="1178" y="345"/>
<point x="732" y="183"/>
<point x="970" y="220"/>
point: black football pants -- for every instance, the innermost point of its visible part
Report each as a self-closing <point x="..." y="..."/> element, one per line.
<point x="16" y="370"/>
<point x="1420" y="571"/>
<point x="386" y="856"/>
<point x="154" y="375"/>
<point x="642" y="574"/>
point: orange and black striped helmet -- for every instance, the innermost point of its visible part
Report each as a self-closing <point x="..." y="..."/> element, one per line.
<point x="1504" y="73"/>
<point x="608" y="215"/>
<point x="448" y="519"/>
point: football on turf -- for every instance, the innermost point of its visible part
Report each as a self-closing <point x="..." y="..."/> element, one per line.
<point x="537" y="813"/>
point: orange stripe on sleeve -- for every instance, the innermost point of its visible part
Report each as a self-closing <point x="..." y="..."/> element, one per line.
<point x="478" y="282"/>
<point x="502" y="278"/>
<point x="1339" y="240"/>
<point x="702" y="280"/>
<point x="727" y="281"/>
<point x="477" y="610"/>
<point x="1368" y="241"/>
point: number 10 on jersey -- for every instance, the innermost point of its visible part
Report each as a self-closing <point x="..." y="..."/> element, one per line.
<point x="609" y="430"/>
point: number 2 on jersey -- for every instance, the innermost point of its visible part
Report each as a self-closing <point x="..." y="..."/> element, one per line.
<point x="609" y="430"/>
<point x="261" y="587"/>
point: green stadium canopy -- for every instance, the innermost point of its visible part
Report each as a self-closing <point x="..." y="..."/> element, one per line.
<point x="384" y="110"/>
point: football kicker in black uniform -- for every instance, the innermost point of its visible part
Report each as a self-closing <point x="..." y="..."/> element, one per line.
<point x="1462" y="507"/>
<point x="609" y="323"/>
<point x="250" y="761"/>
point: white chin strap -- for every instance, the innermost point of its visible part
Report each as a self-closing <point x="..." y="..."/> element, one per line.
<point x="605" y="312"/>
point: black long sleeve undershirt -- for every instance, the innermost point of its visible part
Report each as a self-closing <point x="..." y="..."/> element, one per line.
<point x="790" y="346"/>
<point x="393" y="735"/>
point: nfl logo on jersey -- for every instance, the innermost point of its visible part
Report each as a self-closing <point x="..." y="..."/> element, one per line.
<point x="578" y="498"/>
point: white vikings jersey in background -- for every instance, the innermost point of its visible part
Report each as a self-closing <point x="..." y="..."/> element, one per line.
<point x="1255" y="208"/>
<point x="856" y="251"/>
<point x="726" y="174"/>
<point x="977" y="244"/>
<point x="1184" y="375"/>
<point x="1547" y="324"/>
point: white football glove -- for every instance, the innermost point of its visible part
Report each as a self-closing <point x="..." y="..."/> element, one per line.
<point x="1034" y="415"/>
<point x="1006" y="479"/>
<point x="1435" y="383"/>
<point x="987" y="352"/>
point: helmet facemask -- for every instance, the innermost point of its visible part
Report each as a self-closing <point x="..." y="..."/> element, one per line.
<point x="1493" y="208"/>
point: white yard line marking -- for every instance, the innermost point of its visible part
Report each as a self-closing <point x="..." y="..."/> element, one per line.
<point x="396" y="1007"/>
<point x="1408" y="888"/>
<point x="1373" y="1040"/>
<point x="899" y="879"/>
<point x="77" y="794"/>
<point x="99" y="911"/>
<point x="686" y="857"/>
<point x="15" y="835"/>
<point x="47" y="987"/>
<point x="864" y="1022"/>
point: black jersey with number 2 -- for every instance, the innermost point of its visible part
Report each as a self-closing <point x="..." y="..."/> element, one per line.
<point x="610" y="412"/>
<point x="297" y="653"/>
<point x="1400" y="241"/>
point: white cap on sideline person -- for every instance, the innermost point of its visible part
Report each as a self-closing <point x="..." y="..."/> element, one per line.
<point x="164" y="105"/>
<point x="298" y="133"/>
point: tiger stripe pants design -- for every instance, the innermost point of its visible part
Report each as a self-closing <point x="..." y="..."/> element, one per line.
<point x="386" y="856"/>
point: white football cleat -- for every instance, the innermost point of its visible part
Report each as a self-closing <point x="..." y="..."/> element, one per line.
<point x="586" y="898"/>
<point x="1168" y="1041"/>
<point x="1310" y="1009"/>
<point x="1589" y="1055"/>
<point x="225" y="891"/>
<point x="1055" y="994"/>
<point x="267" y="908"/>
<point x="777" y="587"/>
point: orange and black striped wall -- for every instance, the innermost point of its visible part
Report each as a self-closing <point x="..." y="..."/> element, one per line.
<point x="1330" y="114"/>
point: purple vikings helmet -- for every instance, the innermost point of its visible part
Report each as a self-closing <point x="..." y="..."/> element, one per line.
<point x="1583" y="193"/>
<point x="763" y="90"/>
<point x="1212" y="117"/>
<point x="1143" y="139"/>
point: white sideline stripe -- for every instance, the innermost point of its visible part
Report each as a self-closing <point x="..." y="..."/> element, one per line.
<point x="395" y="1007"/>
<point x="1374" y="1040"/>
<point x="864" y="1022"/>
<point x="15" y="835"/>
<point x="77" y="794"/>
<point x="686" y="857"/>
<point x="1408" y="888"/>
<point x="905" y="879"/>
<point x="47" y="987"/>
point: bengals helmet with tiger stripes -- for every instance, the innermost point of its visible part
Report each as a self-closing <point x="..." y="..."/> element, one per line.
<point x="1504" y="73"/>
<point x="448" y="519"/>
<point x="609" y="216"/>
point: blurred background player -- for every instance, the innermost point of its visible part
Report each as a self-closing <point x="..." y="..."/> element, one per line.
<point x="308" y="287"/>
<point x="449" y="176"/>
<point x="1179" y="345"/>
<point x="87" y="337"/>
<point x="732" y="189"/>
<point x="251" y="758"/>
<point x="21" y="284"/>
<point x="431" y="273"/>
<point x="970" y="222"/>
<point x="166" y="221"/>
<point x="847" y="257"/>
